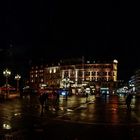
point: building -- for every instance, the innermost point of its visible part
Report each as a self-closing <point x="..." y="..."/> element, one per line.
<point x="77" y="76"/>
<point x="137" y="81"/>
<point x="134" y="81"/>
<point x="36" y="76"/>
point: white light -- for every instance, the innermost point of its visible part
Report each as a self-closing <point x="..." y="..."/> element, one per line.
<point x="115" y="61"/>
<point x="54" y="71"/>
<point x="6" y="126"/>
<point x="17" y="77"/>
<point x="50" y="71"/>
<point x="6" y="73"/>
<point x="63" y="93"/>
<point x="43" y="85"/>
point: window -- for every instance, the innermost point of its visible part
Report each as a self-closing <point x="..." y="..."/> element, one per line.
<point x="87" y="73"/>
<point x="93" y="73"/>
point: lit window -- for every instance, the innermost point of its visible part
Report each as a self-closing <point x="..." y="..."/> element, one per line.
<point x="54" y="71"/>
<point x="50" y="70"/>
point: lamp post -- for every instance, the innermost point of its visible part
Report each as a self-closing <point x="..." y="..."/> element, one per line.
<point x="7" y="73"/>
<point x="17" y="77"/>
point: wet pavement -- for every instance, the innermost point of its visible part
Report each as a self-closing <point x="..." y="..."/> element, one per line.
<point x="75" y="119"/>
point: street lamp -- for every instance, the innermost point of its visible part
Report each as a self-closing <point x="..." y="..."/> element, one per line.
<point x="17" y="77"/>
<point x="7" y="74"/>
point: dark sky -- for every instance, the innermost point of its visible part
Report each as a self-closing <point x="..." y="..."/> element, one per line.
<point x="55" y="29"/>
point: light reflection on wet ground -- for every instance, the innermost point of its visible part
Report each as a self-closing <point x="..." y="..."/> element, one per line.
<point x="111" y="110"/>
<point x="26" y="113"/>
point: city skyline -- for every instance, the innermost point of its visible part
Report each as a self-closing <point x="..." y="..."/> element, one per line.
<point x="18" y="64"/>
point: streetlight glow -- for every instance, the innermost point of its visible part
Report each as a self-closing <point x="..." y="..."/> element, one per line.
<point x="7" y="74"/>
<point x="17" y="77"/>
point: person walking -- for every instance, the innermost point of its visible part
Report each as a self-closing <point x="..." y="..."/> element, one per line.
<point x="43" y="98"/>
<point x="129" y="100"/>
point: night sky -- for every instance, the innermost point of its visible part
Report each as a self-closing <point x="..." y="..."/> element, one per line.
<point x="47" y="31"/>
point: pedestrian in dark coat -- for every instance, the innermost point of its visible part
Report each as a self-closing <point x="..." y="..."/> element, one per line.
<point x="43" y="100"/>
<point x="128" y="100"/>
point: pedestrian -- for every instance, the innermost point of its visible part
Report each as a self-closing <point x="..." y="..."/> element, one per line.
<point x="128" y="100"/>
<point x="42" y="98"/>
<point x="57" y="96"/>
<point x="46" y="98"/>
<point x="86" y="96"/>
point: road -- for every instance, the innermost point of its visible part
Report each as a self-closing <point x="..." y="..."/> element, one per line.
<point x="100" y="118"/>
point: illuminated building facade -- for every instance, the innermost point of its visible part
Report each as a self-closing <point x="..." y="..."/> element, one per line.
<point x="135" y="81"/>
<point x="98" y="76"/>
<point x="36" y="76"/>
<point x="52" y="76"/>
